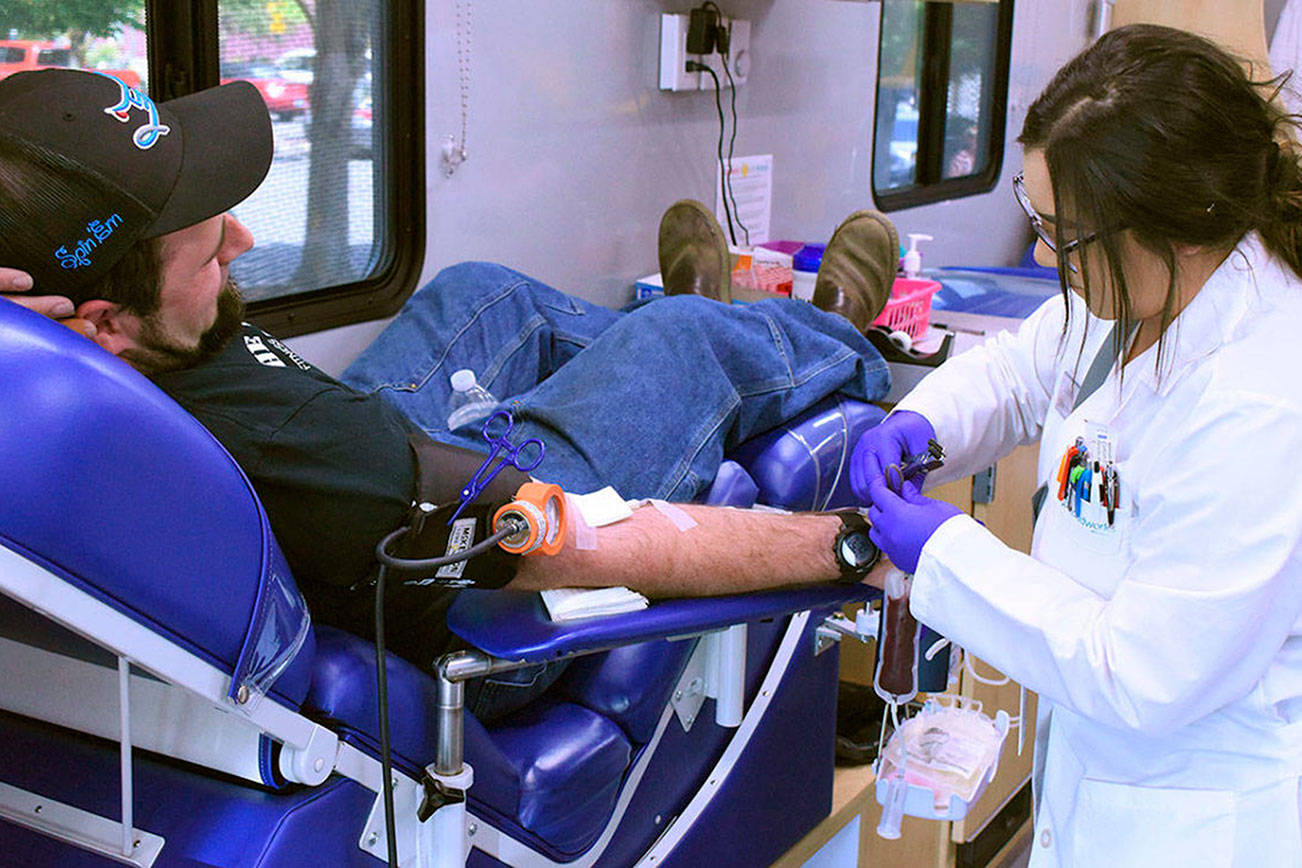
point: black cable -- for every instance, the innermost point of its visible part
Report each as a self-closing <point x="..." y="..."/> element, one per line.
<point x="724" y="44"/>
<point x="382" y="686"/>
<point x="731" y="142"/>
<point x="381" y="681"/>
<point x="723" y="179"/>
<point x="510" y="525"/>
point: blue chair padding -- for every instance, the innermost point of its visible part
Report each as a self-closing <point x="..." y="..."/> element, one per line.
<point x="569" y="763"/>
<point x="732" y="486"/>
<point x="343" y="694"/>
<point x="514" y="624"/>
<point x="82" y="435"/>
<point x="784" y="777"/>
<point x="801" y="465"/>
<point x="553" y="769"/>
<point x="206" y="820"/>
<point x="535" y="772"/>
<point x="629" y="685"/>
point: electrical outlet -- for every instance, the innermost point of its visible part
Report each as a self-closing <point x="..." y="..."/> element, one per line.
<point x="738" y="56"/>
<point x="674" y="56"/>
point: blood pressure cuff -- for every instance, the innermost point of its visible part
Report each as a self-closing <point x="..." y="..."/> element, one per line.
<point x="441" y="472"/>
<point x="436" y="538"/>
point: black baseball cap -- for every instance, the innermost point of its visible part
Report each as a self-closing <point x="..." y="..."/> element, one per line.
<point x="89" y="166"/>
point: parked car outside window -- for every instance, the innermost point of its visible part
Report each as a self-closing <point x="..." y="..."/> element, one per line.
<point x="285" y="99"/>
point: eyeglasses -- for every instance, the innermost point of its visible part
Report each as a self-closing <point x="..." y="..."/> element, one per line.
<point x="1019" y="190"/>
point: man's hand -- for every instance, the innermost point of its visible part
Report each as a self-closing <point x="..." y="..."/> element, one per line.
<point x="54" y="306"/>
<point x="903" y="522"/>
<point x="903" y="433"/>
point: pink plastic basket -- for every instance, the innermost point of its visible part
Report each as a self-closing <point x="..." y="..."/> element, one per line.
<point x="909" y="307"/>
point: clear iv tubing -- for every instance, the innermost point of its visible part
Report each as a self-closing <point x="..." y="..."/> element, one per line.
<point x="940" y="643"/>
<point x="970" y="668"/>
<point x="897" y="791"/>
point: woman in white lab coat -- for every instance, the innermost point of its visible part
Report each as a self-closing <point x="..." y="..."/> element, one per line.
<point x="1158" y="615"/>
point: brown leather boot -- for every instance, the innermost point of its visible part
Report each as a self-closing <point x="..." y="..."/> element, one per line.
<point x="858" y="268"/>
<point x="693" y="252"/>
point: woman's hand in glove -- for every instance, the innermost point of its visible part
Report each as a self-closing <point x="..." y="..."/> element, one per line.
<point x="901" y="434"/>
<point x="902" y="522"/>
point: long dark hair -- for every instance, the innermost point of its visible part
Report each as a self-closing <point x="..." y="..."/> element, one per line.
<point x="1160" y="132"/>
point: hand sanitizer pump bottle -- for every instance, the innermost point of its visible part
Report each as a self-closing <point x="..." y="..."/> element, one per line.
<point x="913" y="258"/>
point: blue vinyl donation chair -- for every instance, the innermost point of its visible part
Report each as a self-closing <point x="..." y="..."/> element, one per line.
<point x="165" y="698"/>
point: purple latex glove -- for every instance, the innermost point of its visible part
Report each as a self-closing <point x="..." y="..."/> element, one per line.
<point x="903" y="522"/>
<point x="901" y="434"/>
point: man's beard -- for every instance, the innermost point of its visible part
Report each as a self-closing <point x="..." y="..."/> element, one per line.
<point x="156" y="353"/>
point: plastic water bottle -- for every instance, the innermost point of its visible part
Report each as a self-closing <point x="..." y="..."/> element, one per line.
<point x="470" y="401"/>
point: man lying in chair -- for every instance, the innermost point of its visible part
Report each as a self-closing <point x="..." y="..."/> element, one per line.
<point x="120" y="206"/>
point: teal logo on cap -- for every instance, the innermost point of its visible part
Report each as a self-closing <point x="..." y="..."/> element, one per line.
<point x="147" y="134"/>
<point x="97" y="233"/>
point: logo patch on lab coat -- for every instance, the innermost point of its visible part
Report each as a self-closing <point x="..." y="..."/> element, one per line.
<point x="1087" y="485"/>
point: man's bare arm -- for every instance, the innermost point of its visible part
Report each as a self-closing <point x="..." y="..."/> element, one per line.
<point x="729" y="551"/>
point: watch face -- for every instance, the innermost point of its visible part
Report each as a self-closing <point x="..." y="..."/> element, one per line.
<point x="858" y="550"/>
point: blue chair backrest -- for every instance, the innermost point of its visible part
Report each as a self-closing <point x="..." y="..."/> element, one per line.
<point x="109" y="484"/>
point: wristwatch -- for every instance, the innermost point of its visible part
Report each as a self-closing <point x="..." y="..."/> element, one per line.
<point x="855" y="553"/>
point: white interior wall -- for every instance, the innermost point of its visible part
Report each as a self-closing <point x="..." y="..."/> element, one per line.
<point x="574" y="152"/>
<point x="1272" y="9"/>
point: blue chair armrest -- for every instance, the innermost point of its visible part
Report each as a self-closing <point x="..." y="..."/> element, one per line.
<point x="514" y="625"/>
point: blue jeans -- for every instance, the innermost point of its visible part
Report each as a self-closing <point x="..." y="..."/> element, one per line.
<point x="493" y="697"/>
<point x="648" y="399"/>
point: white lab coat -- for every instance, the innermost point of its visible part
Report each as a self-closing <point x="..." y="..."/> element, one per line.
<point x="1167" y="654"/>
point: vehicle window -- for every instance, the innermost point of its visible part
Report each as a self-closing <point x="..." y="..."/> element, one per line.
<point x="54" y="57"/>
<point x="941" y="96"/>
<point x="969" y="97"/>
<point x="899" y="69"/>
<point x="325" y="157"/>
<point x="347" y="180"/>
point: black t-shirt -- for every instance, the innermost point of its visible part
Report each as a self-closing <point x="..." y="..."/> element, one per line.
<point x="331" y="465"/>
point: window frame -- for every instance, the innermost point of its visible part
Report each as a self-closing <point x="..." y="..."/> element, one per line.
<point x="933" y="89"/>
<point x="184" y="56"/>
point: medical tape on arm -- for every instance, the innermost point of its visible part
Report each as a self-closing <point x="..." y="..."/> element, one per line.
<point x="676" y="515"/>
<point x="585" y="535"/>
<point x="604" y="506"/>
